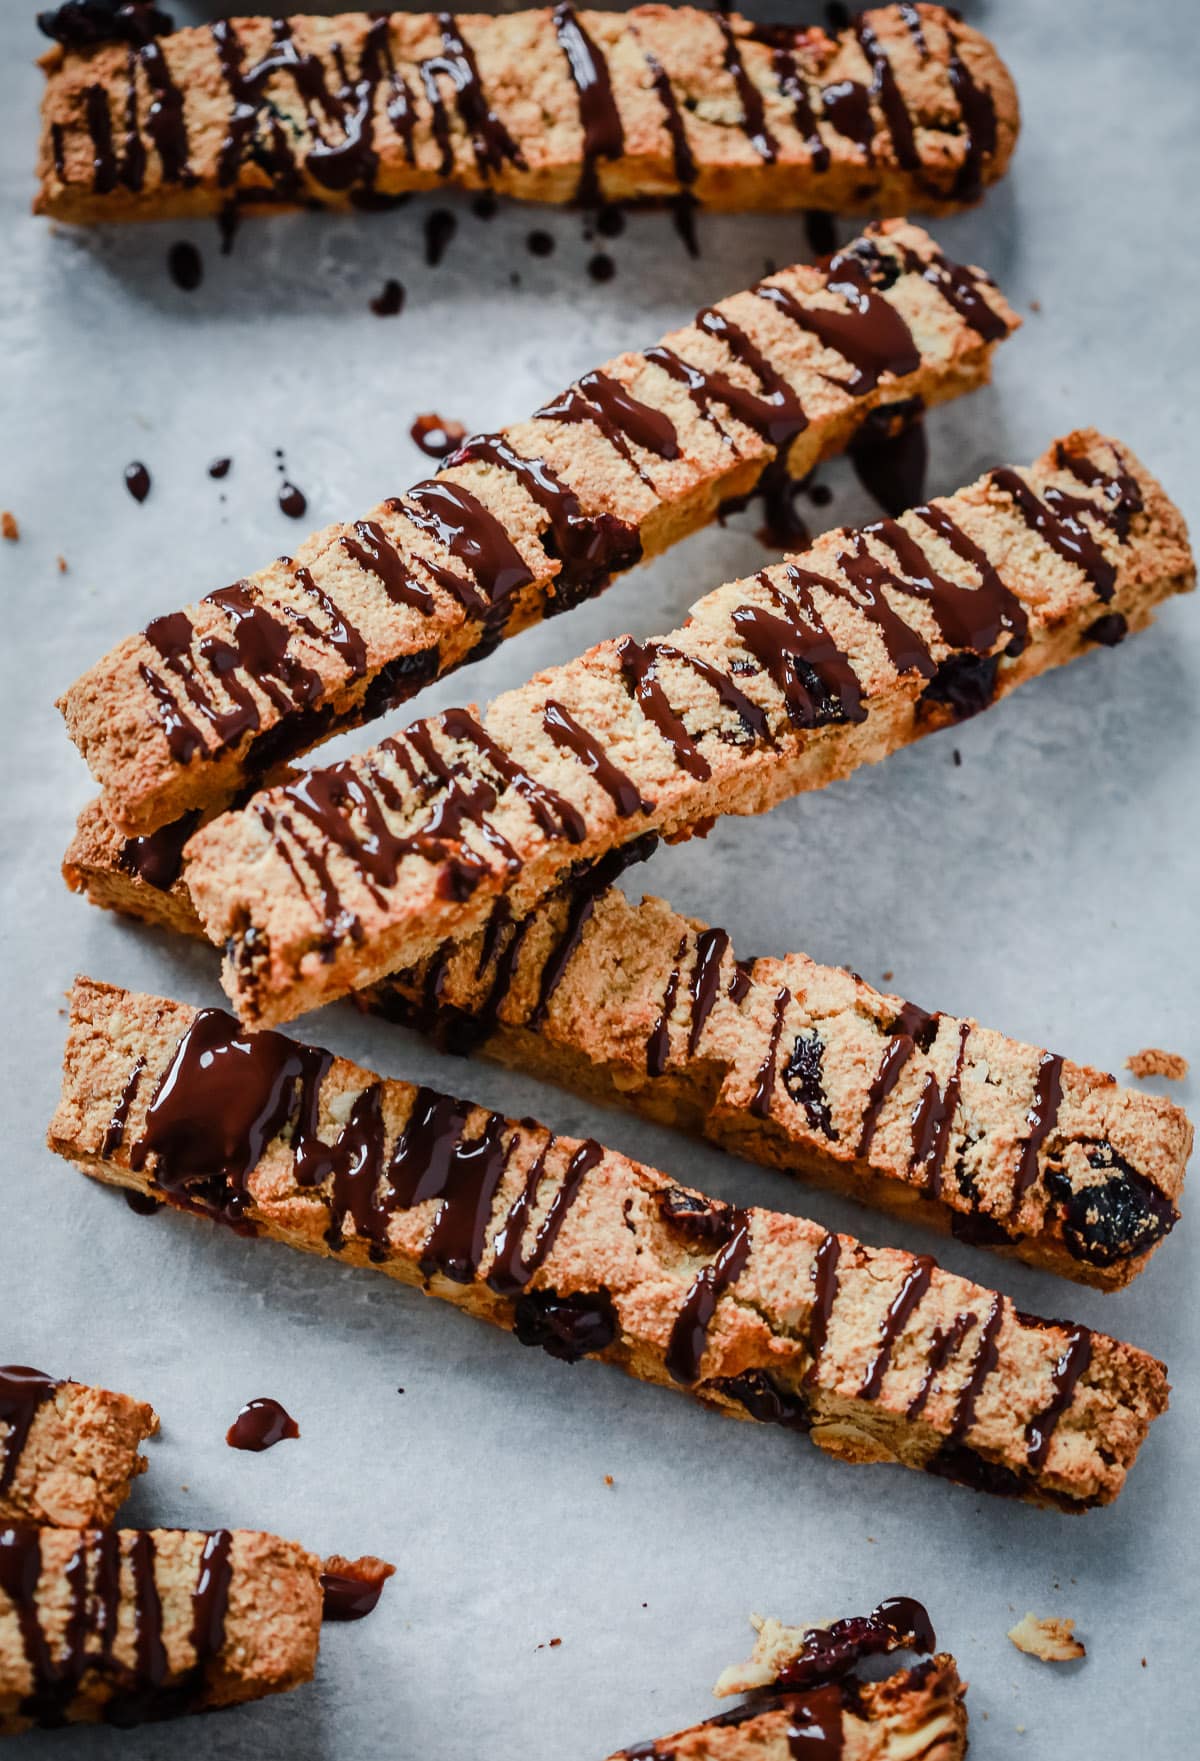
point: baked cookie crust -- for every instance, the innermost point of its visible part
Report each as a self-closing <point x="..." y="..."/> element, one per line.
<point x="68" y="1452"/>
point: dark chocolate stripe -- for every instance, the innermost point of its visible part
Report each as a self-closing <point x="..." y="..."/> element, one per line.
<point x="916" y="1283"/>
<point x="689" y="1335"/>
<point x="569" y="736"/>
<point x="603" y="135"/>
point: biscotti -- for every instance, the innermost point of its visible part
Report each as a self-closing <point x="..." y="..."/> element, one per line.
<point x="907" y="109"/>
<point x="808" y="1068"/>
<point x="527" y="522"/>
<point x="68" y="1452"/>
<point x="877" y="1354"/>
<point x="806" y="1699"/>
<point x="819" y="664"/>
<point x="122" y="1626"/>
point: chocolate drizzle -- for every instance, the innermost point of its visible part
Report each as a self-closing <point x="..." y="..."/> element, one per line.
<point x="899" y="1310"/>
<point x="684" y="204"/>
<point x="157" y="858"/>
<point x="829" y="1653"/>
<point x="689" y="1335"/>
<point x="978" y="111"/>
<point x="711" y="948"/>
<point x="658" y="1046"/>
<point x="871" y="336"/>
<point x="1071" y="1366"/>
<point x="115" y="1132"/>
<point x="568" y="735"/>
<point x="101" y="1559"/>
<point x="825" y="1290"/>
<point x="1042" y="1117"/>
<point x="754" y="120"/>
<point x="603" y="135"/>
<point x="933" y="1120"/>
<point x="818" y="685"/>
<point x="472" y="535"/>
<point x="1056" y="517"/>
<point x="764" y="1082"/>
<point x="583" y="896"/>
<point x="433" y="1159"/>
<point x="913" y="1027"/>
<point x="22" y="1392"/>
<point x="369" y="546"/>
<point x="987" y="1356"/>
<point x="513" y="1265"/>
<point x="598" y="399"/>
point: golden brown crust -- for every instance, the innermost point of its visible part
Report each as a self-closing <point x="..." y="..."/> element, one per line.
<point x="916" y="1714"/>
<point x="631" y="502"/>
<point x="624" y="1261"/>
<point x="1153" y="1061"/>
<point x="78" y="1456"/>
<point x="928" y="149"/>
<point x="266" y="1642"/>
<point x="381" y="861"/>
<point x="653" y="1011"/>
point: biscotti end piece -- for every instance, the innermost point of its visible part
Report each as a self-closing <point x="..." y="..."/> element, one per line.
<point x="1050" y="1640"/>
<point x="68" y="1452"/>
<point x="908" y="109"/>
<point x="914" y="1712"/>
<point x="527" y="522"/>
<point x="877" y="1355"/>
<point x="775" y="684"/>
<point x="139" y="877"/>
<point x="125" y="1626"/>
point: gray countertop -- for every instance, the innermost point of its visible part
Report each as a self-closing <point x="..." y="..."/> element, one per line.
<point x="1047" y="886"/>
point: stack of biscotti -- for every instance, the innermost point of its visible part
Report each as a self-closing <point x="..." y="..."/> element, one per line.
<point x="909" y="108"/>
<point x="805" y="1697"/>
<point x="125" y="1625"/>
<point x="524" y="523"/>
<point x="878" y="1355"/>
<point x="776" y="684"/>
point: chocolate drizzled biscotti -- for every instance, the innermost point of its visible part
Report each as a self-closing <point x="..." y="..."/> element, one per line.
<point x="807" y="1700"/>
<point x="907" y="109"/>
<point x="122" y="1626"/>
<point x="877" y="1354"/>
<point x="826" y="661"/>
<point x="68" y="1452"/>
<point x="809" y="1069"/>
<point x="524" y="523"/>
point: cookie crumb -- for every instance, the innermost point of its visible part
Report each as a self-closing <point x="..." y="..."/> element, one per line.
<point x="62" y="564"/>
<point x="1153" y="1061"/>
<point x="608" y="1479"/>
<point x="1051" y="1640"/>
<point x="8" y="527"/>
<point x="1143" y="1663"/>
<point x="555" y="1642"/>
<point x="1035" y="305"/>
<point x="888" y="976"/>
<point x="957" y="758"/>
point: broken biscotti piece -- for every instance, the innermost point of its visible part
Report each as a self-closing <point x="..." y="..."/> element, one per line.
<point x="879" y="1355"/>
<point x="906" y="109"/>
<point x="122" y="1626"/>
<point x="807" y="1068"/>
<point x="783" y="682"/>
<point x="68" y="1452"/>
<point x="1051" y="1640"/>
<point x="807" y="1700"/>
<point x="527" y="522"/>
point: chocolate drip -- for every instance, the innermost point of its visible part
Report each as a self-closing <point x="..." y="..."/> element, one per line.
<point x="782" y="41"/>
<point x="1042" y="1117"/>
<point x="137" y="480"/>
<point x="904" y="646"/>
<point x="84" y="24"/>
<point x="706" y="388"/>
<point x="591" y="547"/>
<point x="603" y="135"/>
<point x="220" y="1101"/>
<point x="1057" y="519"/>
<point x="352" y="1594"/>
<point x="754" y="120"/>
<point x="764" y="1083"/>
<point x="913" y="1027"/>
<point x="944" y="1342"/>
<point x="890" y="453"/>
<point x="846" y="105"/>
<point x="620" y="417"/>
<point x="358" y="1164"/>
<point x="818" y="685"/>
<point x="260" y="1425"/>
<point x="432" y="1160"/>
<point x="115" y="1132"/>
<point x="1073" y="1364"/>
<point x="978" y="111"/>
<point x="711" y="948"/>
<point x="933" y="1120"/>
<point x="871" y="336"/>
<point x="639" y="670"/>
<point x="369" y="546"/>
<point x="512" y="1267"/>
<point x="689" y="1335"/>
<point x="785" y="413"/>
<point x="22" y="1392"/>
<point x="583" y="896"/>
<point x="491" y="142"/>
<point x="899" y="1310"/>
<point x="157" y="858"/>
<point x="142" y="1697"/>
<point x="987" y="1356"/>
<point x="568" y="735"/>
<point x="803" y="1081"/>
<point x="658" y="1046"/>
<point x="99" y="122"/>
<point x="825" y="1291"/>
<point x="888" y="96"/>
<point x="471" y="534"/>
<point x="966" y="617"/>
<point x="684" y="204"/>
<point x="828" y="1653"/>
